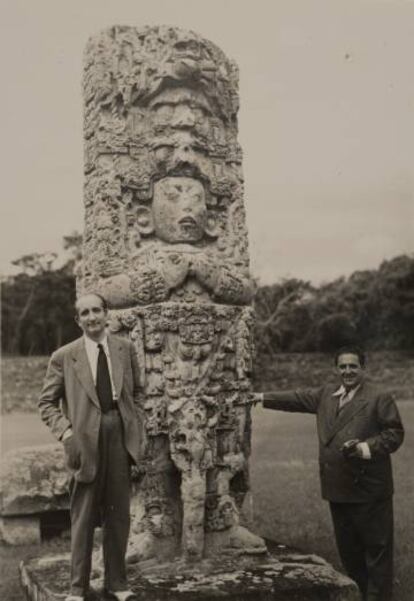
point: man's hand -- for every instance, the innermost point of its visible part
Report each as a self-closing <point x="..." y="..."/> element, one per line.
<point x="67" y="434"/>
<point x="351" y="449"/>
<point x="255" y="398"/>
<point x="73" y="457"/>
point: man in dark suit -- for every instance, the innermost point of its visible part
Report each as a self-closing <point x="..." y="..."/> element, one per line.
<point x="358" y="427"/>
<point x="89" y="401"/>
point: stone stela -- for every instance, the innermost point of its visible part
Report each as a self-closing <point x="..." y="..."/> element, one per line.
<point x="165" y="242"/>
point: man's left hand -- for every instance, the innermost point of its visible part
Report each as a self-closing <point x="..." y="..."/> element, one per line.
<point x="255" y="397"/>
<point x="351" y="449"/>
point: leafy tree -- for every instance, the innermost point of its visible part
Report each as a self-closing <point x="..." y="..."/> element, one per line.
<point x="334" y="331"/>
<point x="281" y="310"/>
<point x="37" y="306"/>
<point x="372" y="307"/>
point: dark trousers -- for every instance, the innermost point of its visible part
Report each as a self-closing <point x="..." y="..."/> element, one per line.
<point x="106" y="499"/>
<point x="364" y="536"/>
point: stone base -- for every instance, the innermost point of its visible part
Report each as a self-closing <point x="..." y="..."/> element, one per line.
<point x="20" y="530"/>
<point x="281" y="575"/>
<point x="34" y="480"/>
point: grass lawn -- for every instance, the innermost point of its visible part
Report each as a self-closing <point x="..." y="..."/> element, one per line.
<point x="22" y="379"/>
<point x="10" y="557"/>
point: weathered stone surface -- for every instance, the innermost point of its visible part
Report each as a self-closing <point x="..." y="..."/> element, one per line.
<point x="283" y="575"/>
<point x="34" y="480"/>
<point x="166" y="243"/>
<point x="20" y="530"/>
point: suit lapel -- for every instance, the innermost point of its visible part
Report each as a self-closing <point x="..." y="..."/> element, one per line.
<point x="116" y="354"/>
<point x="347" y="413"/>
<point x="83" y="371"/>
<point x="332" y="413"/>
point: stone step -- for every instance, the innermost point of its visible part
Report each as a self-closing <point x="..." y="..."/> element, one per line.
<point x="281" y="575"/>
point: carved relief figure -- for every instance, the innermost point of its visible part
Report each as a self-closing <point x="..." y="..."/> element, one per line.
<point x="185" y="264"/>
<point x="166" y="245"/>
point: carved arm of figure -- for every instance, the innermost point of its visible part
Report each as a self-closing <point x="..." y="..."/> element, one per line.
<point x="226" y="282"/>
<point x="141" y="287"/>
<point x="154" y="276"/>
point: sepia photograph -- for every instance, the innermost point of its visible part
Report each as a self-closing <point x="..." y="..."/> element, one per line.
<point x="207" y="300"/>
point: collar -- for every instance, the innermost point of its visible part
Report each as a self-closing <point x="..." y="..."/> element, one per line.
<point x="342" y="391"/>
<point x="92" y="345"/>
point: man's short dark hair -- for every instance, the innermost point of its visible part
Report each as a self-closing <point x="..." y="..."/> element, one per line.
<point x="102" y="299"/>
<point x="351" y="349"/>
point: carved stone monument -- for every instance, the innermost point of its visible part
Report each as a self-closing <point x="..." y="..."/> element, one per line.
<point x="165" y="242"/>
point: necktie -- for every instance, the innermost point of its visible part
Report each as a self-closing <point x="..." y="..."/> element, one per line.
<point x="103" y="381"/>
<point x="343" y="401"/>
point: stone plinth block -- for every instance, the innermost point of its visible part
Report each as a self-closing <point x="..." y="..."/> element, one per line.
<point x="20" y="530"/>
<point x="281" y="575"/>
<point x="34" y="480"/>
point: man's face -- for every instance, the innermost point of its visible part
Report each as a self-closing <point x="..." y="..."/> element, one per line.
<point x="179" y="209"/>
<point x="91" y="316"/>
<point x="350" y="370"/>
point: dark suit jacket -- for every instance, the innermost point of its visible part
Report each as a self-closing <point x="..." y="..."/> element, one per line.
<point x="372" y="416"/>
<point x="69" y="399"/>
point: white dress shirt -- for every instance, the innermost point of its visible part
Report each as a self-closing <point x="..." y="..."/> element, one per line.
<point x="92" y="352"/>
<point x="344" y="395"/>
<point x="344" y="398"/>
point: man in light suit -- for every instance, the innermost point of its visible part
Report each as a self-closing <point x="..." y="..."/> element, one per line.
<point x="89" y="401"/>
<point x="358" y="427"/>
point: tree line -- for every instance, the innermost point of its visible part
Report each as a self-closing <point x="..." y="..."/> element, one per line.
<point x="37" y="303"/>
<point x="373" y="308"/>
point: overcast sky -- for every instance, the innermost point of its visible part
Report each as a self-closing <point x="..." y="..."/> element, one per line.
<point x="326" y="123"/>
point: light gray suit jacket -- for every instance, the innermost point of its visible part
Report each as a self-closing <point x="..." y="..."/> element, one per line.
<point x="69" y="399"/>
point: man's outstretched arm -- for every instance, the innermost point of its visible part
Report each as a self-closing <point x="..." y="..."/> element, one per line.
<point x="302" y="401"/>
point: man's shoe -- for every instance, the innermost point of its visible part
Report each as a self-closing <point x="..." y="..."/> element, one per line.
<point x="121" y="595"/>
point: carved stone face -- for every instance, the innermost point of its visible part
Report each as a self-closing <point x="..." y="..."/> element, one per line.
<point x="180" y="108"/>
<point x="179" y="210"/>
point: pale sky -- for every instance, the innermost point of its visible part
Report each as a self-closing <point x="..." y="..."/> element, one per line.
<point x="326" y="123"/>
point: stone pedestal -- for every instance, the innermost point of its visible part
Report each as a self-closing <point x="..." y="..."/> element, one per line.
<point x="34" y="481"/>
<point x="280" y="575"/>
<point x="20" y="530"/>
